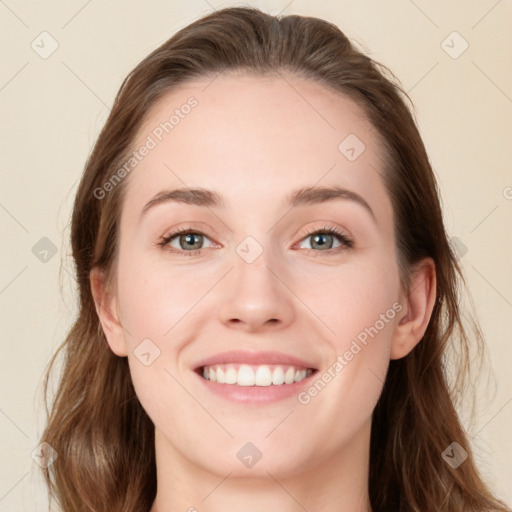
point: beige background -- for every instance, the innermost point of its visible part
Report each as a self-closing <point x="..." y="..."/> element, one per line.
<point x="54" y="107"/>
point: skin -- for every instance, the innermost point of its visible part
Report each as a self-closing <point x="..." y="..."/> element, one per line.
<point x="246" y="133"/>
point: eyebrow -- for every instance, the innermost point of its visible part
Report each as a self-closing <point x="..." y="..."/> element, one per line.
<point x="301" y="197"/>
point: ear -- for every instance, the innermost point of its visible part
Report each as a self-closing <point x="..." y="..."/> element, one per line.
<point x="107" y="310"/>
<point x="418" y="303"/>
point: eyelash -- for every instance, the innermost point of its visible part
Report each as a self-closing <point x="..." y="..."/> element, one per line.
<point x="329" y="230"/>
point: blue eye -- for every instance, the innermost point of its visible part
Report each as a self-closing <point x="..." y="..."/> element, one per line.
<point x="190" y="240"/>
<point x="324" y="238"/>
<point x="187" y="239"/>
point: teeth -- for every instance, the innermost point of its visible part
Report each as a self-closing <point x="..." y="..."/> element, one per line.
<point x="231" y="376"/>
<point x="245" y="376"/>
<point x="278" y="376"/>
<point x="289" y="376"/>
<point x="261" y="375"/>
<point x="300" y="375"/>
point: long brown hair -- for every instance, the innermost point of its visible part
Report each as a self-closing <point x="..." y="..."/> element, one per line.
<point x="104" y="438"/>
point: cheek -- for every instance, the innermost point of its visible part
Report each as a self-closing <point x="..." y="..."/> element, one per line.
<point x="352" y="298"/>
<point x="360" y="306"/>
<point x="153" y="300"/>
<point x="157" y="306"/>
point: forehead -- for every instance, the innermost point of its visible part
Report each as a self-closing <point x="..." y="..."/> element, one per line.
<point x="254" y="138"/>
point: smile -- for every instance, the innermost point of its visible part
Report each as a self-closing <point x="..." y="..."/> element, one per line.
<point x="254" y="375"/>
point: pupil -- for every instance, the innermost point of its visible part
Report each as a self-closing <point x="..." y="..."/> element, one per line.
<point x="319" y="237"/>
<point x="189" y="239"/>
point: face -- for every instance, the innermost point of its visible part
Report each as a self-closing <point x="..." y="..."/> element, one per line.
<point x="267" y="279"/>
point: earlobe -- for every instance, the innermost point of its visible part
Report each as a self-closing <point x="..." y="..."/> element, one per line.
<point x="418" y="303"/>
<point x="106" y="308"/>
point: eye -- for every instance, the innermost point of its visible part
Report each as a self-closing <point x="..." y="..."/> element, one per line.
<point x="189" y="241"/>
<point x="324" y="239"/>
<point x="185" y="240"/>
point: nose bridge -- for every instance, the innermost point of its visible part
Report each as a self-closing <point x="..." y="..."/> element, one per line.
<point x="256" y="295"/>
<point x="253" y="264"/>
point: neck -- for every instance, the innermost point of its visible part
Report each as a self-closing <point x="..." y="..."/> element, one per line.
<point x="336" y="484"/>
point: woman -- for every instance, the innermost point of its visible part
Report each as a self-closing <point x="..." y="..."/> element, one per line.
<point x="267" y="290"/>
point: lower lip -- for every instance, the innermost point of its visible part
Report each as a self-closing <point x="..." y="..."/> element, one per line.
<point x="256" y="394"/>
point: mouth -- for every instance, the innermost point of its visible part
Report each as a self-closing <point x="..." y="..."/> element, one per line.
<point x="254" y="377"/>
<point x="247" y="375"/>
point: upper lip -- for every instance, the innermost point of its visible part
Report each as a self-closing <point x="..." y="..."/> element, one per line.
<point x="246" y="357"/>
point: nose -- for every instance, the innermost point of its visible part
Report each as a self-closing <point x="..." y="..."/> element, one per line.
<point x="256" y="297"/>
